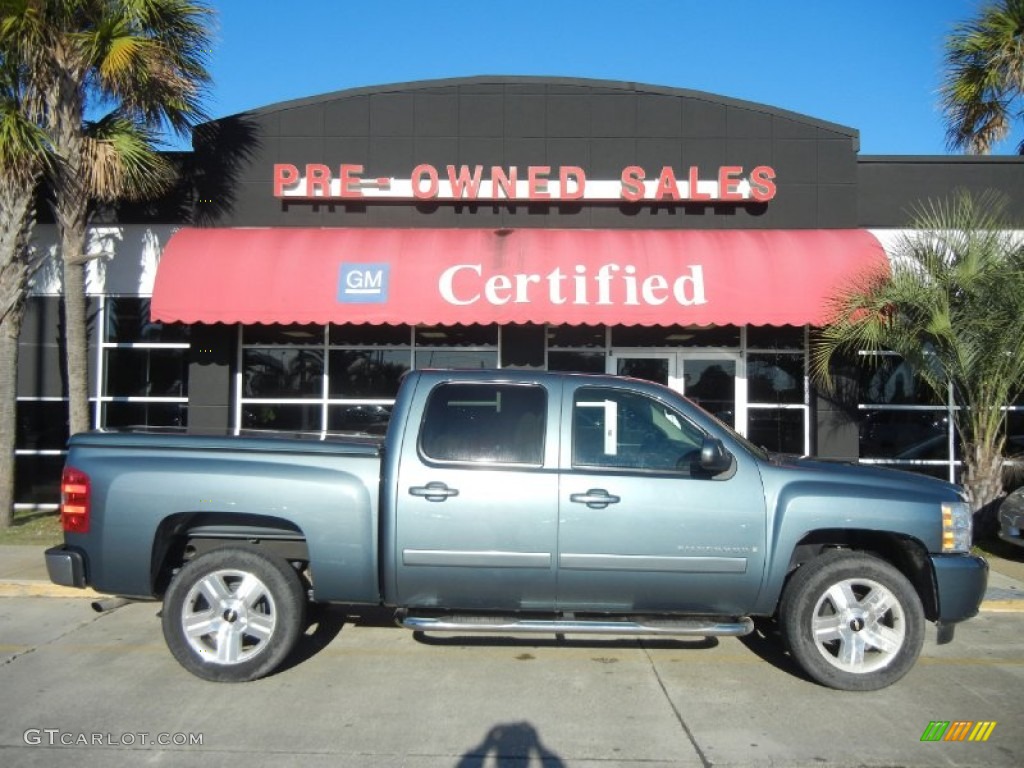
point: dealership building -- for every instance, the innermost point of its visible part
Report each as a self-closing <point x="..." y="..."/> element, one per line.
<point x="316" y="249"/>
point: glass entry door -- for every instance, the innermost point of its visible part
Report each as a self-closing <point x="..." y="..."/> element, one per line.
<point x="716" y="381"/>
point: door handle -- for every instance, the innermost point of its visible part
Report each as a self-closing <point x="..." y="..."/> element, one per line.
<point x="595" y="498"/>
<point x="435" y="491"/>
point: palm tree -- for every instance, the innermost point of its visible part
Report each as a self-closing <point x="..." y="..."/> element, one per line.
<point x="953" y="307"/>
<point x="143" y="58"/>
<point x="984" y="81"/>
<point x="24" y="156"/>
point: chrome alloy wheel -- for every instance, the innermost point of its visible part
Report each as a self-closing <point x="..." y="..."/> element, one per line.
<point x="229" y="617"/>
<point x="859" y="625"/>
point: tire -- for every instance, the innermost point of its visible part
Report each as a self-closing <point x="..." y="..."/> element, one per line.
<point x="233" y="614"/>
<point x="852" y="621"/>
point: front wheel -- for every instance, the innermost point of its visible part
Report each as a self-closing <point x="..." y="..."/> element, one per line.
<point x="233" y="614"/>
<point x="852" y="621"/>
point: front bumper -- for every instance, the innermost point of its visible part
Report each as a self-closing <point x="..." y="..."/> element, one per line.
<point x="960" y="582"/>
<point x="65" y="567"/>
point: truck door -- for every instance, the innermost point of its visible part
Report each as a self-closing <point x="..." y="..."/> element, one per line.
<point x="642" y="528"/>
<point x="477" y="501"/>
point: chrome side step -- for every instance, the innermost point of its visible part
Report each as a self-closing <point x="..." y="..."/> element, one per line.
<point x="701" y="627"/>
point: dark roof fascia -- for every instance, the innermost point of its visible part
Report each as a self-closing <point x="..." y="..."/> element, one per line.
<point x="614" y="85"/>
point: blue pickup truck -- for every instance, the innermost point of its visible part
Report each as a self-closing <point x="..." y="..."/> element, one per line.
<point x="512" y="501"/>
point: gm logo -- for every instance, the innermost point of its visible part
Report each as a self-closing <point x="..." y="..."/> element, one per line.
<point x="363" y="283"/>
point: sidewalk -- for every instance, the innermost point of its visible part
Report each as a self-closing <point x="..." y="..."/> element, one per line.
<point x="23" y="574"/>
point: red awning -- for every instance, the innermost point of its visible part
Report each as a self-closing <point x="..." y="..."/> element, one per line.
<point x="447" y="276"/>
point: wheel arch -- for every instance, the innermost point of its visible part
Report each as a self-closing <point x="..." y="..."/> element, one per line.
<point x="184" y="536"/>
<point x="905" y="553"/>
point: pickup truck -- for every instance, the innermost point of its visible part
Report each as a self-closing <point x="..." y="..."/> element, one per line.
<point x="513" y="501"/>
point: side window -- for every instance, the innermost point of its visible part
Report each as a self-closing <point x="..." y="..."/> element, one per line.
<point x="626" y="430"/>
<point x="494" y="423"/>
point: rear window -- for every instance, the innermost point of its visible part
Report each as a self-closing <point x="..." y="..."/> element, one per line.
<point x="489" y="423"/>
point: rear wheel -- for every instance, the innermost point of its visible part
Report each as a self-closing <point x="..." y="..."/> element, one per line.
<point x="233" y="614"/>
<point x="852" y="621"/>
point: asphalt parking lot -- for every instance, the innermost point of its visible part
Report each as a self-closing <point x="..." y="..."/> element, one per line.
<point x="89" y="689"/>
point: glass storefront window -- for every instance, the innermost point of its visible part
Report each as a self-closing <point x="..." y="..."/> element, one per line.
<point x="366" y="373"/>
<point x="280" y="372"/>
<point x="371" y="419"/>
<point x="146" y="372"/>
<point x="777" y="429"/>
<point x="1015" y="432"/>
<point x="120" y="415"/>
<point x="144" y="365"/>
<point x="908" y="435"/>
<point x="41" y="425"/>
<point x="281" y="417"/>
<point x="890" y="380"/>
<point x="37" y="478"/>
<point x="576" y="362"/>
<point x="775" y="378"/>
<point x="356" y="387"/>
<point x="456" y="358"/>
<point x="127" y="320"/>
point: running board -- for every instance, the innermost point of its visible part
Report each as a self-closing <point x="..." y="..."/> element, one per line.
<point x="701" y="627"/>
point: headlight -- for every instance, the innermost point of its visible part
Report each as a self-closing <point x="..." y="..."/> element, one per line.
<point x="957" y="525"/>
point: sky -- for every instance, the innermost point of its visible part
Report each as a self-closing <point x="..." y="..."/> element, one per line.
<point x="871" y="65"/>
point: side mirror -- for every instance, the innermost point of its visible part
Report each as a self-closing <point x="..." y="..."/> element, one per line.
<point x="713" y="456"/>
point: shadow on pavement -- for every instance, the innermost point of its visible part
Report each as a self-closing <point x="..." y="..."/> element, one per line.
<point x="510" y="744"/>
<point x="766" y="643"/>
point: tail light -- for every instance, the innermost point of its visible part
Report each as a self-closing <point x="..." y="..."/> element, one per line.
<point x="74" y="501"/>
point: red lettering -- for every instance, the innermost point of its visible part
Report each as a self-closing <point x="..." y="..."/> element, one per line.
<point x="762" y="183"/>
<point x="632" y="183"/>
<point x="575" y="173"/>
<point x="728" y="182"/>
<point x="318" y="180"/>
<point x="505" y="182"/>
<point x="285" y="175"/>
<point x="667" y="185"/>
<point x="463" y="182"/>
<point x="350" y="180"/>
<point x="417" y="179"/>
<point x="696" y="194"/>
<point x="537" y="182"/>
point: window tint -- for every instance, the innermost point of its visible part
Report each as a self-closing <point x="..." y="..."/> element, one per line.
<point x="501" y="423"/>
<point x="615" y="428"/>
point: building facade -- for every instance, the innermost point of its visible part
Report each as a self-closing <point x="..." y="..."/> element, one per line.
<point x="317" y="249"/>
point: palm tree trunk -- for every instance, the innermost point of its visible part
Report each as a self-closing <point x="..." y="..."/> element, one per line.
<point x="983" y="479"/>
<point x="10" y="328"/>
<point x="71" y="210"/>
<point x="76" y="333"/>
<point x="15" y="223"/>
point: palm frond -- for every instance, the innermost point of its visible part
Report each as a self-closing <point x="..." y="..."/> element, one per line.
<point x="952" y="307"/>
<point x="121" y="161"/>
<point x="984" y="76"/>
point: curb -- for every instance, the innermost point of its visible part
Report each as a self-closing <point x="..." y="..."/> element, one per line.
<point x="1002" y="606"/>
<point x="39" y="588"/>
